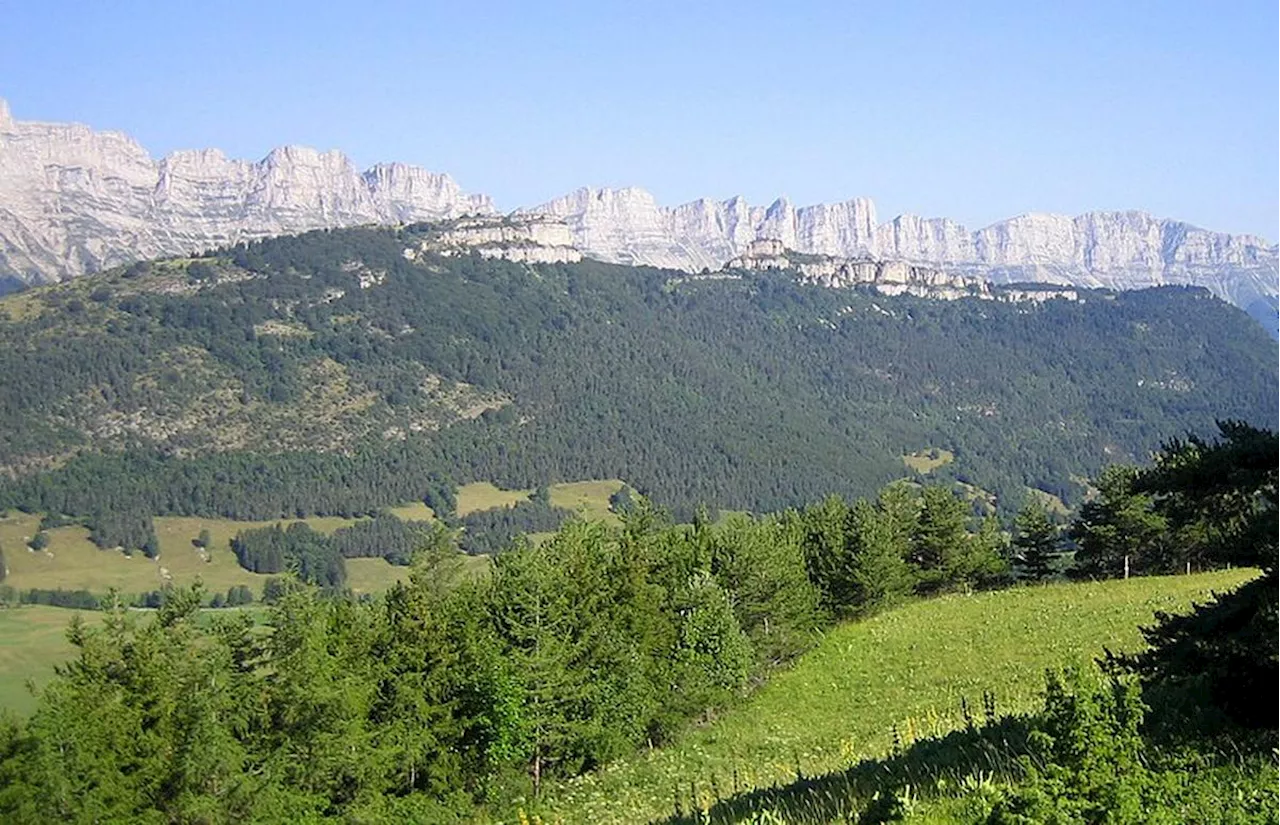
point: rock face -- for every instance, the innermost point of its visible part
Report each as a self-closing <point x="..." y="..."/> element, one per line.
<point x="535" y="239"/>
<point x="1117" y="250"/>
<point x="627" y="225"/>
<point x="888" y="277"/>
<point x="73" y="200"/>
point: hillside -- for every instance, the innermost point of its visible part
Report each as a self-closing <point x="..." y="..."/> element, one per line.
<point x="329" y="374"/>
<point x="902" y="674"/>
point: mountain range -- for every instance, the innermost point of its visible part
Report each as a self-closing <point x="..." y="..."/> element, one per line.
<point x="74" y="201"/>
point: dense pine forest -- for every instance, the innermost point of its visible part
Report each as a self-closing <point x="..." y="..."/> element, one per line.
<point x="329" y="374"/>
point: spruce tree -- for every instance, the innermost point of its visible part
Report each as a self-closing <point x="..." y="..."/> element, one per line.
<point x="879" y="574"/>
<point x="1037" y="542"/>
<point x="1119" y="529"/>
<point x="940" y="544"/>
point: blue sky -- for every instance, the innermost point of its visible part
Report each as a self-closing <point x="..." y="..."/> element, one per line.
<point x="976" y="111"/>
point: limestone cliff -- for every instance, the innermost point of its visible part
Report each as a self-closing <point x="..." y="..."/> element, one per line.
<point x="73" y="200"/>
<point x="1117" y="250"/>
<point x="535" y="239"/>
<point x="888" y="277"/>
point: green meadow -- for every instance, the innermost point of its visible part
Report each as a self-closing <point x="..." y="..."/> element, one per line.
<point x="901" y="673"/>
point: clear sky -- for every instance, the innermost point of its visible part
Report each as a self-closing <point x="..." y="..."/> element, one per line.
<point x="973" y="110"/>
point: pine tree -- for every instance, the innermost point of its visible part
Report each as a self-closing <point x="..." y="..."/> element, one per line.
<point x="879" y="573"/>
<point x="940" y="544"/>
<point x="1119" y="530"/>
<point x="827" y="554"/>
<point x="1037" y="542"/>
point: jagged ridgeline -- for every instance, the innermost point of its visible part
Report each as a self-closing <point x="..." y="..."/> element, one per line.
<point x="339" y="371"/>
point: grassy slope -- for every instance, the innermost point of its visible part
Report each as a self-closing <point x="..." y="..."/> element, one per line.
<point x="32" y="640"/>
<point x="926" y="461"/>
<point x="905" y="669"/>
<point x="589" y="498"/>
<point x="481" y="495"/>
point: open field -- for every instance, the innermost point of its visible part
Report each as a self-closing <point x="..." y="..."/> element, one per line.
<point x="373" y="575"/>
<point x="906" y="670"/>
<point x="72" y="562"/>
<point x="33" y="638"/>
<point x="415" y="511"/>
<point x="1050" y="502"/>
<point x="590" y="499"/>
<point x="481" y="495"/>
<point x="926" y="461"/>
<point x="376" y="575"/>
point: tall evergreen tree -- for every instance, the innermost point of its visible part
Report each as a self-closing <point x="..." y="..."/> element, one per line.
<point x="827" y="554"/>
<point x="879" y="574"/>
<point x="1037" y="542"/>
<point x="1119" y="529"/>
<point x="941" y="539"/>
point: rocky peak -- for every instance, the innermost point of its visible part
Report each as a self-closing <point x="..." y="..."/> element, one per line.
<point x="76" y="200"/>
<point x="73" y="200"/>
<point x="1116" y="250"/>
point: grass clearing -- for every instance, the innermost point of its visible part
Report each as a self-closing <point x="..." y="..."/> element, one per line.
<point x="72" y="562"/>
<point x="906" y="669"/>
<point x="22" y="306"/>
<point x="589" y="499"/>
<point x="481" y="495"/>
<point x="33" y="638"/>
<point x="928" y="460"/>
<point x="414" y="511"/>
<point x="377" y="575"/>
<point x="373" y="575"/>
<point x="1051" y="503"/>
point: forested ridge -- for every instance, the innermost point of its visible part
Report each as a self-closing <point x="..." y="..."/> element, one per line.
<point x="328" y="374"/>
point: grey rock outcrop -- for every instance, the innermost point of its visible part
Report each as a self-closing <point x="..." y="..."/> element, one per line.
<point x="1116" y="250"/>
<point x="73" y="200"/>
<point x="888" y="277"/>
<point x="534" y="239"/>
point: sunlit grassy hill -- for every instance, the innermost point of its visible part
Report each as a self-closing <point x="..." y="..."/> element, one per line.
<point x="902" y="673"/>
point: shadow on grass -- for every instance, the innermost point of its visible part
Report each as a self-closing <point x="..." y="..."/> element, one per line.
<point x="851" y="795"/>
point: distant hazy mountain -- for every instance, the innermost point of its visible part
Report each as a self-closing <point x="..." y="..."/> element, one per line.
<point x="73" y="200"/>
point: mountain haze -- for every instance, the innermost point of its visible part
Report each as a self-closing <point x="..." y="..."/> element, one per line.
<point x="76" y="201"/>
